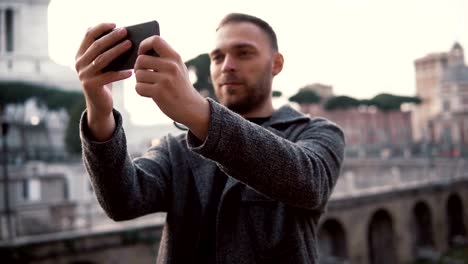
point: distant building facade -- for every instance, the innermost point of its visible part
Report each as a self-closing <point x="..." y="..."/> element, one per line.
<point x="442" y="84"/>
<point x="48" y="190"/>
<point x="24" y="56"/>
<point x="38" y="204"/>
<point x="45" y="193"/>
<point x="35" y="136"/>
<point x="24" y="50"/>
<point x="366" y="129"/>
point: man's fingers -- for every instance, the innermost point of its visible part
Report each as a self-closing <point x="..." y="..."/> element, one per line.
<point x="149" y="83"/>
<point x="102" y="60"/>
<point x="103" y="44"/>
<point x="160" y="46"/>
<point x="106" y="78"/>
<point x="145" y="62"/>
<point x="145" y="76"/>
<point x="91" y="35"/>
<point x="145" y="89"/>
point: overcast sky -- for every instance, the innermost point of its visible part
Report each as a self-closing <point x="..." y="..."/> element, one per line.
<point x="360" y="47"/>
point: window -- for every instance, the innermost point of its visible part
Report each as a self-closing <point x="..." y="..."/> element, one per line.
<point x="463" y="88"/>
<point x="446" y="89"/>
<point x="31" y="189"/>
<point x="25" y="189"/>
<point x="9" y="29"/>
<point x="66" y="191"/>
<point x="446" y="105"/>
<point x="465" y="100"/>
<point x="1" y="29"/>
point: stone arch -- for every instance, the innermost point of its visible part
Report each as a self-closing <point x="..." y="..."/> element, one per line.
<point x="381" y="239"/>
<point x="332" y="242"/>
<point x="455" y="223"/>
<point x="423" y="239"/>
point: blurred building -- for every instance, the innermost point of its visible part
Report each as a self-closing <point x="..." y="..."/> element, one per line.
<point x="24" y="56"/>
<point x="38" y="203"/>
<point x="33" y="134"/>
<point x="369" y="127"/>
<point x="442" y="84"/>
<point x="367" y="130"/>
<point x="24" y="50"/>
<point x="42" y="190"/>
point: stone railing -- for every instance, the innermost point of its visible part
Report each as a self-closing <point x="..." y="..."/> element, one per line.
<point x="43" y="219"/>
<point x="367" y="176"/>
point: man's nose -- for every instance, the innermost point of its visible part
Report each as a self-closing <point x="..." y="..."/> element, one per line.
<point x="229" y="64"/>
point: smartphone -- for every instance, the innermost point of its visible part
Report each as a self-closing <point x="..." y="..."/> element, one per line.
<point x="136" y="34"/>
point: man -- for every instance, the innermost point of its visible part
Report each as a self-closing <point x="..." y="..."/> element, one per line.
<point x="246" y="184"/>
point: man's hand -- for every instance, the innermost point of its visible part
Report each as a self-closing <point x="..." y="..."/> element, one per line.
<point x="165" y="79"/>
<point x="94" y="54"/>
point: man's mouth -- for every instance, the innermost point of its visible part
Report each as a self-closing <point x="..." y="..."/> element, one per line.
<point x="231" y="80"/>
<point x="231" y="84"/>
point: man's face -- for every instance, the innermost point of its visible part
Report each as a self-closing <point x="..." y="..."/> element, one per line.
<point x="241" y="67"/>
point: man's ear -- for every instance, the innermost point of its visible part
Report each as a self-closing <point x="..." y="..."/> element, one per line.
<point x="278" y="62"/>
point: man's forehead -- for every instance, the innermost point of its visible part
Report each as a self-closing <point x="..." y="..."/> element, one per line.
<point x="233" y="45"/>
<point x="237" y="34"/>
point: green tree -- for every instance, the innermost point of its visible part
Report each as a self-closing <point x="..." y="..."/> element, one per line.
<point x="12" y="92"/>
<point x="305" y="96"/>
<point x="18" y="92"/>
<point x="384" y="102"/>
<point x="72" y="133"/>
<point x="201" y="65"/>
<point x="276" y="93"/>
<point x="341" y="102"/>
<point x="390" y="102"/>
<point x="53" y="98"/>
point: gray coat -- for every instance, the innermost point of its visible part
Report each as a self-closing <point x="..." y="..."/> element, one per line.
<point x="280" y="179"/>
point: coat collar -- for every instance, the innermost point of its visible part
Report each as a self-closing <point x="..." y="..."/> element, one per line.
<point x="285" y="115"/>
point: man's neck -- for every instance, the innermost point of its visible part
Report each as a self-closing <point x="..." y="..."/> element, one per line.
<point x="265" y="110"/>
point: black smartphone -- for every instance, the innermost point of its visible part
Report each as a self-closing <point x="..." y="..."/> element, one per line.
<point x="136" y="34"/>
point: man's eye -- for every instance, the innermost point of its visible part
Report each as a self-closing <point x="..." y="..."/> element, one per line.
<point x="217" y="58"/>
<point x="244" y="53"/>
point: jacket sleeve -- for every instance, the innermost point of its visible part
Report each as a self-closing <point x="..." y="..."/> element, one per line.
<point x="300" y="173"/>
<point x="126" y="189"/>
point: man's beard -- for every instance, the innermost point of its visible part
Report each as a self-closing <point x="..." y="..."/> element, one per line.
<point x="253" y="97"/>
<point x="247" y="103"/>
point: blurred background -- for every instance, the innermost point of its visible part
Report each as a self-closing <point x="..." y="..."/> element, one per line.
<point x="392" y="74"/>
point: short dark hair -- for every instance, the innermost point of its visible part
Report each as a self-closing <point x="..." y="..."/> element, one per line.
<point x="264" y="26"/>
